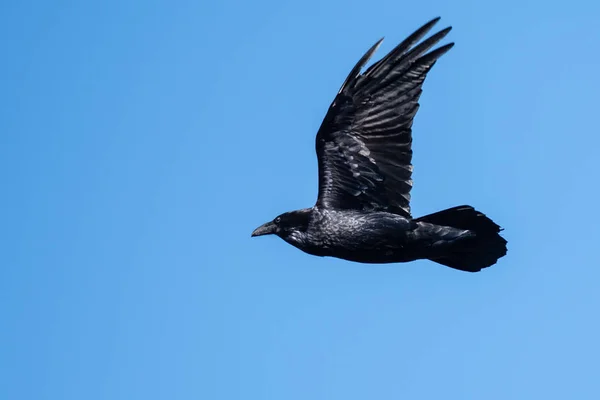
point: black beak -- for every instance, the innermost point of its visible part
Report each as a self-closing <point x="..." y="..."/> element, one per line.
<point x="266" y="229"/>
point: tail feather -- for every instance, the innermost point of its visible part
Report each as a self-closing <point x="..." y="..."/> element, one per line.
<point x="471" y="253"/>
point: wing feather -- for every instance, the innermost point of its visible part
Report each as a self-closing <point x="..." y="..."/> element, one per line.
<point x="364" y="145"/>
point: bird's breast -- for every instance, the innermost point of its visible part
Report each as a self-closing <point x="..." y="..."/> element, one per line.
<point x="360" y="231"/>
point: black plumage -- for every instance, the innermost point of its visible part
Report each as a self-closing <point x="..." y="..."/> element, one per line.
<point x="364" y="151"/>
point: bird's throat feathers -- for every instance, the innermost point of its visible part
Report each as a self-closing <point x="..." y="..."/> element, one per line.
<point x="294" y="226"/>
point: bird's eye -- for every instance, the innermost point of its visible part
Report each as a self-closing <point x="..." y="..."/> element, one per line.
<point x="277" y="220"/>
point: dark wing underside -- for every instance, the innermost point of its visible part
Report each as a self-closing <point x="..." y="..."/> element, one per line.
<point x="364" y="143"/>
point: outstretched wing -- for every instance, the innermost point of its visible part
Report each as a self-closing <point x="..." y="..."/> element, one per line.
<point x="364" y="143"/>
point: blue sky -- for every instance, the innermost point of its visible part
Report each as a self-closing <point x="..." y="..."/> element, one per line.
<point x="142" y="142"/>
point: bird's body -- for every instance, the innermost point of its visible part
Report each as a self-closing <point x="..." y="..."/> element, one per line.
<point x="364" y="149"/>
<point x="354" y="235"/>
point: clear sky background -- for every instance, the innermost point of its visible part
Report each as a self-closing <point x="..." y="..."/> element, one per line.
<point x="142" y="141"/>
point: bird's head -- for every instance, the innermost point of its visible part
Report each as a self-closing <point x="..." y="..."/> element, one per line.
<point x="289" y="226"/>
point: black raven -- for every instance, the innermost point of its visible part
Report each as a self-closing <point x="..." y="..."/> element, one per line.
<point x="364" y="153"/>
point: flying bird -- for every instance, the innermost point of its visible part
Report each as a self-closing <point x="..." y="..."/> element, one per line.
<point x="364" y="151"/>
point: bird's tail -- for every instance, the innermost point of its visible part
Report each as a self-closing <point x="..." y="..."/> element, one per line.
<point x="474" y="252"/>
